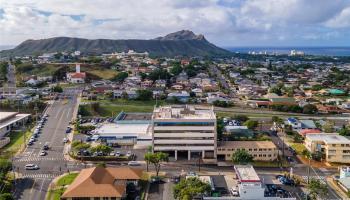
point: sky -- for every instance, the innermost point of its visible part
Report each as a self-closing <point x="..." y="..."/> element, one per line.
<point x="226" y="23"/>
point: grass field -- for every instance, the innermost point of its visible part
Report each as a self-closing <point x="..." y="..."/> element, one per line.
<point x="58" y="190"/>
<point x="16" y="142"/>
<point x="298" y="147"/>
<point x="104" y="73"/>
<point x="108" y="108"/>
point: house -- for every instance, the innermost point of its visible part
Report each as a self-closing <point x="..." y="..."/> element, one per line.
<point x="216" y="96"/>
<point x="182" y="96"/>
<point x="102" y="183"/>
<point x="300" y="124"/>
<point x="77" y="76"/>
<point x="146" y="83"/>
<point x="130" y="94"/>
<point x="177" y="87"/>
<point x="160" y="83"/>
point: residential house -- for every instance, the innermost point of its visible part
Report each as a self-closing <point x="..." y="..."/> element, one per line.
<point x="182" y="96"/>
<point x="102" y="183"/>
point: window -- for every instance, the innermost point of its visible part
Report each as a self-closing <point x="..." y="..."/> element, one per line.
<point x="346" y="157"/>
<point x="255" y="149"/>
<point x="346" y="151"/>
<point x="269" y="155"/>
<point x="228" y="155"/>
<point x="249" y="149"/>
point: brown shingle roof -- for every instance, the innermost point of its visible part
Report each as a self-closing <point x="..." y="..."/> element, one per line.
<point x="100" y="182"/>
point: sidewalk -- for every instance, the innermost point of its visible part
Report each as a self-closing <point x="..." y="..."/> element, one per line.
<point x="335" y="187"/>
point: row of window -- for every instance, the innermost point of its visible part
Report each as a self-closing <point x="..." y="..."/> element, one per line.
<point x="258" y="155"/>
<point x="189" y="145"/>
<point x="95" y="198"/>
<point x="183" y="131"/>
<point x="184" y="138"/>
<point x="347" y="157"/>
<point x="263" y="149"/>
<point x="342" y="145"/>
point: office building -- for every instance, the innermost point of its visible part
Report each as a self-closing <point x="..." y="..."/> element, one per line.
<point x="333" y="147"/>
<point x="260" y="150"/>
<point x="185" y="130"/>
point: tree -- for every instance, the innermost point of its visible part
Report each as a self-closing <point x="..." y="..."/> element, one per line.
<point x="278" y="121"/>
<point x="148" y="157"/>
<point x="159" y="74"/>
<point x="310" y="109"/>
<point x="6" y="196"/>
<point x="344" y="131"/>
<point x="317" y="189"/>
<point x="120" y="77"/>
<point x="188" y="188"/>
<point x="241" y="156"/>
<point x="176" y="69"/>
<point x="251" y="124"/>
<point x="328" y="127"/>
<point x="156" y="159"/>
<point x="277" y="90"/>
<point x="57" y="88"/>
<point x="144" y="95"/>
<point x="3" y="70"/>
<point x="102" y="148"/>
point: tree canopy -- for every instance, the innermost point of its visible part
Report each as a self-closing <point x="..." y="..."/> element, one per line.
<point x="120" y="77"/>
<point x="156" y="159"/>
<point x="188" y="188"/>
<point x="241" y="156"/>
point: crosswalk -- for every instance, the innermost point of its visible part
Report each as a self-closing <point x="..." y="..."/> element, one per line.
<point x="39" y="176"/>
<point x="321" y="178"/>
<point x="36" y="159"/>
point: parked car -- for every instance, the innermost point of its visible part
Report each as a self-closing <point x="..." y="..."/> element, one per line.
<point x="117" y="154"/>
<point x="112" y="153"/>
<point x="234" y="192"/>
<point x="134" y="163"/>
<point x="65" y="140"/>
<point x="42" y="153"/>
<point x="30" y="143"/>
<point x="128" y="154"/>
<point x="31" y="167"/>
<point x="156" y="179"/>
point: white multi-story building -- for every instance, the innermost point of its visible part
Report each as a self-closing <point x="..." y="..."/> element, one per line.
<point x="189" y="130"/>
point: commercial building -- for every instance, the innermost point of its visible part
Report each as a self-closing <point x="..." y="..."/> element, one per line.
<point x="189" y="130"/>
<point x="333" y="147"/>
<point x="126" y="129"/>
<point x="102" y="183"/>
<point x="260" y="150"/>
<point x="10" y="121"/>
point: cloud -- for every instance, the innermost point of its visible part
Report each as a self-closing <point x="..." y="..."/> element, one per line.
<point x="224" y="22"/>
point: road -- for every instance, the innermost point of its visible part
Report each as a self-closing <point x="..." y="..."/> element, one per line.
<point x="33" y="185"/>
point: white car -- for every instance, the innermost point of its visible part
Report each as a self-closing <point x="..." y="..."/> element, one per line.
<point x="117" y="154"/>
<point x="42" y="153"/>
<point x="65" y="140"/>
<point x="134" y="163"/>
<point x="234" y="192"/>
<point x="128" y="154"/>
<point x="31" y="167"/>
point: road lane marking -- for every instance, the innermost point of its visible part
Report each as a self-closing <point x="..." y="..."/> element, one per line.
<point x="68" y="112"/>
<point x="42" y="184"/>
<point x="31" y="191"/>
<point x="57" y="126"/>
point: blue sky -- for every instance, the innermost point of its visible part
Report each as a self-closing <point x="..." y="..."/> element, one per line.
<point x="223" y="22"/>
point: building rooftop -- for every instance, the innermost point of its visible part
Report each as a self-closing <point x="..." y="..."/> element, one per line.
<point x="101" y="182"/>
<point x="247" y="144"/>
<point x="328" y="138"/>
<point x="7" y="118"/>
<point x="246" y="173"/>
<point x="184" y="112"/>
<point x="122" y="130"/>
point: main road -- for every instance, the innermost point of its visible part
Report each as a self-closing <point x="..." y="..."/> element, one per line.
<point x="33" y="185"/>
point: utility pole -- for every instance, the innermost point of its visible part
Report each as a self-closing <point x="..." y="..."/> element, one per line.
<point x="308" y="170"/>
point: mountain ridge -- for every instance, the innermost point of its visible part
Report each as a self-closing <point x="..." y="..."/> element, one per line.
<point x="181" y="43"/>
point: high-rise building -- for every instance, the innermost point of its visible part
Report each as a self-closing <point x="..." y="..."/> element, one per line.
<point x="185" y="130"/>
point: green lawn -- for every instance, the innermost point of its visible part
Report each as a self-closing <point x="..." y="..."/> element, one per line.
<point x="58" y="190"/>
<point x="67" y="179"/>
<point x="17" y="142"/>
<point x="298" y="147"/>
<point x="108" y="108"/>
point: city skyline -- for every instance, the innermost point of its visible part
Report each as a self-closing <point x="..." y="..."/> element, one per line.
<point x="223" y="22"/>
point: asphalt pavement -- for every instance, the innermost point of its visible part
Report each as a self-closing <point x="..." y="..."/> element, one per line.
<point x="33" y="184"/>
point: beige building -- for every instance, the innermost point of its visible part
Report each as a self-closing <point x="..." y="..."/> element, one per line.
<point x="260" y="150"/>
<point x="185" y="130"/>
<point x="334" y="148"/>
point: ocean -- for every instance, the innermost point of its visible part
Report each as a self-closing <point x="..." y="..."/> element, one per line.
<point x="320" y="51"/>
